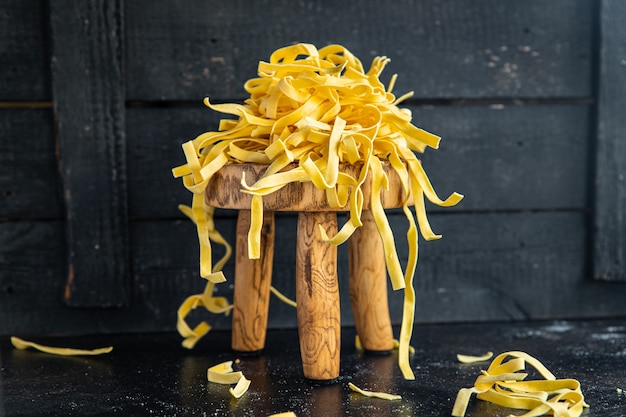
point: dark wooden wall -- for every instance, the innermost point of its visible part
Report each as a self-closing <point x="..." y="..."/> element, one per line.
<point x="97" y="96"/>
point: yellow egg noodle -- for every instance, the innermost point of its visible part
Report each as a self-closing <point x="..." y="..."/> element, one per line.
<point x="504" y="383"/>
<point x="315" y="109"/>
<point x="283" y="297"/>
<point x="396" y="345"/>
<point x="241" y="388"/>
<point x="223" y="373"/>
<point x="372" y="394"/>
<point x="24" y="344"/>
<point x="472" y="359"/>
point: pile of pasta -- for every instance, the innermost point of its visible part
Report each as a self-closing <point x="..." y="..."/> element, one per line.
<point x="309" y="112"/>
<point x="504" y="383"/>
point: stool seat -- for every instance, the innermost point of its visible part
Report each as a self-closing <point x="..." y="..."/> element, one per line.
<point x="224" y="190"/>
<point x="317" y="289"/>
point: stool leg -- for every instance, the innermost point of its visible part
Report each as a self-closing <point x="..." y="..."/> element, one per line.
<point x="368" y="287"/>
<point x="317" y="296"/>
<point x="252" y="285"/>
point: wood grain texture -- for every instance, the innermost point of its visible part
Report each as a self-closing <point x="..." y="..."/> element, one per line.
<point x="253" y="278"/>
<point x="609" y="240"/>
<point x="24" y="59"/>
<point x="368" y="286"/>
<point x="224" y="190"/>
<point x="317" y="296"/>
<point x="440" y="49"/>
<point x="88" y="86"/>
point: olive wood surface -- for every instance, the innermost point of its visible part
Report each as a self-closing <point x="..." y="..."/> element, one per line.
<point x="225" y="190"/>
<point x="253" y="279"/>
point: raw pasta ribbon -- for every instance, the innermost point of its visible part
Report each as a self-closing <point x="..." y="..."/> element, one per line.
<point x="504" y="383"/>
<point x="308" y="113"/>
<point x="62" y="351"/>
<point x="223" y="373"/>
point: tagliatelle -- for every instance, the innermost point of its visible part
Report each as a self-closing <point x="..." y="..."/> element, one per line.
<point x="282" y="297"/>
<point x="372" y="394"/>
<point x="396" y="345"/>
<point x="24" y="344"/>
<point x="241" y="388"/>
<point x="309" y="112"/>
<point x="216" y="305"/>
<point x="472" y="359"/>
<point x="223" y="373"/>
<point x="504" y="384"/>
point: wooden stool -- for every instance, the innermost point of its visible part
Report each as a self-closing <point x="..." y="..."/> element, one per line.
<point x="317" y="289"/>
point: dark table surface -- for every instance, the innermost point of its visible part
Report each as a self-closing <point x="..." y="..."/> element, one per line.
<point x="153" y="375"/>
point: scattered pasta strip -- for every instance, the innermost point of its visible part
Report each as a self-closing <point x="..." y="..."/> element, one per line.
<point x="357" y="344"/>
<point x="24" y="344"/>
<point x="241" y="388"/>
<point x="503" y="384"/>
<point x="223" y="373"/>
<point x="309" y="112"/>
<point x="285" y="414"/>
<point x="473" y="359"/>
<point x="396" y="345"/>
<point x="371" y="394"/>
<point x="282" y="297"/>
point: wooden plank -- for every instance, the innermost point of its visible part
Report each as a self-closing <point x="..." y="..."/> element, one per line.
<point x="88" y="86"/>
<point x="505" y="266"/>
<point x="440" y="49"/>
<point x="500" y="158"/>
<point x="24" y="60"/>
<point x="166" y="271"/>
<point x="539" y="152"/>
<point x="509" y="157"/>
<point x="154" y="140"/>
<point x="31" y="292"/>
<point x="490" y="266"/>
<point x="29" y="176"/>
<point x="609" y="242"/>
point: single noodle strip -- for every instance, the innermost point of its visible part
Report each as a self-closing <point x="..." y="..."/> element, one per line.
<point x="223" y="373"/>
<point x="471" y="359"/>
<point x="24" y="344"/>
<point x="241" y="388"/>
<point x="282" y="297"/>
<point x="396" y="344"/>
<point x="373" y="394"/>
